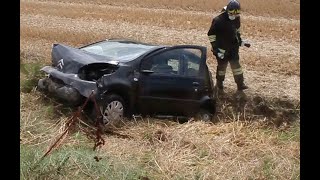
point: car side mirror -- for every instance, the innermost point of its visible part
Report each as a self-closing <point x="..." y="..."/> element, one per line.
<point x="146" y="71"/>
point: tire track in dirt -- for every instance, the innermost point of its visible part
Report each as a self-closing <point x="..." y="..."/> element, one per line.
<point x="262" y="27"/>
<point x="158" y="9"/>
<point x="281" y="20"/>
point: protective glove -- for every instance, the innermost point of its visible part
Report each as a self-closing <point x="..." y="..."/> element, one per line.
<point x="220" y="53"/>
<point x="244" y="43"/>
<point x="217" y="51"/>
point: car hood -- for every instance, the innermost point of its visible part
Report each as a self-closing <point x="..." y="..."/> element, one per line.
<point x="69" y="59"/>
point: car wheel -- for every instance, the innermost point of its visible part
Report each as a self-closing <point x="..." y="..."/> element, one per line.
<point x="113" y="110"/>
<point x="204" y="115"/>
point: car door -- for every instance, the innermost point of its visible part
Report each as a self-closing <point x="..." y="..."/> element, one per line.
<point x="165" y="85"/>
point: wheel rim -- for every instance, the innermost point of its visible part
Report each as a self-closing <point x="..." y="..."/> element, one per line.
<point x="113" y="111"/>
<point x="205" y="117"/>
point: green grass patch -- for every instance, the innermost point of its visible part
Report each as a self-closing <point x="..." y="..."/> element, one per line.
<point x="267" y="168"/>
<point x="32" y="74"/>
<point x="74" y="163"/>
<point x="291" y="134"/>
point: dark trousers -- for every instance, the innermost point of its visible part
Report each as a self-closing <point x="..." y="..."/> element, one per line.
<point x="231" y="57"/>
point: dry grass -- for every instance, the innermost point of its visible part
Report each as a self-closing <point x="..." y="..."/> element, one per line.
<point x="240" y="145"/>
<point x="267" y="28"/>
<point x="193" y="149"/>
<point x="166" y="149"/>
<point x="272" y="8"/>
<point x="36" y="124"/>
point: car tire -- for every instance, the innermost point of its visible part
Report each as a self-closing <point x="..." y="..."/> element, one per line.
<point x="204" y="115"/>
<point x="113" y="111"/>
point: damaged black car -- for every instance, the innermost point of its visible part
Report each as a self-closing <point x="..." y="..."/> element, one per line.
<point x="133" y="78"/>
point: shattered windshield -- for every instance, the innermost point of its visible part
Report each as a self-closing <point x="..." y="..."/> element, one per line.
<point x="122" y="51"/>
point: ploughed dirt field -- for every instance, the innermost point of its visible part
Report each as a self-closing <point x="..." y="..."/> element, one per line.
<point x="254" y="136"/>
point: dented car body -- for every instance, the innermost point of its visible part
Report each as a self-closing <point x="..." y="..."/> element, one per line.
<point x="130" y="77"/>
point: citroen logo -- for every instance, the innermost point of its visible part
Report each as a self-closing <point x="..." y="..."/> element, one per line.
<point x="60" y="64"/>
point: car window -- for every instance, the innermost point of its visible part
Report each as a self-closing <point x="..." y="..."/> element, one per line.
<point x="174" y="63"/>
<point x="192" y="68"/>
<point x="192" y="59"/>
<point x="168" y="62"/>
<point x="121" y="51"/>
<point x="171" y="62"/>
<point x="163" y="64"/>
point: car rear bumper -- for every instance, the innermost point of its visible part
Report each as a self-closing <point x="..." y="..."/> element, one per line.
<point x="68" y="86"/>
<point x="64" y="92"/>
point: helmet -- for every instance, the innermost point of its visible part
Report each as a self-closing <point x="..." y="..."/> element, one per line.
<point x="224" y="9"/>
<point x="233" y="7"/>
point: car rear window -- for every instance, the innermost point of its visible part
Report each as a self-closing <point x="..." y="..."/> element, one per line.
<point x="122" y="51"/>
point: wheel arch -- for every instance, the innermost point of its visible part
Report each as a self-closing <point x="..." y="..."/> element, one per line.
<point x="124" y="92"/>
<point x="208" y="104"/>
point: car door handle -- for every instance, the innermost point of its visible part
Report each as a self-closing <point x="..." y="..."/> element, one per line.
<point x="195" y="83"/>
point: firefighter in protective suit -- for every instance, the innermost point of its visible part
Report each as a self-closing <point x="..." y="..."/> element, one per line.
<point x="225" y="39"/>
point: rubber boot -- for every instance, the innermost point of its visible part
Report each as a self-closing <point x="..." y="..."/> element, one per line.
<point x="241" y="86"/>
<point x="219" y="87"/>
<point x="220" y="84"/>
<point x="240" y="82"/>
